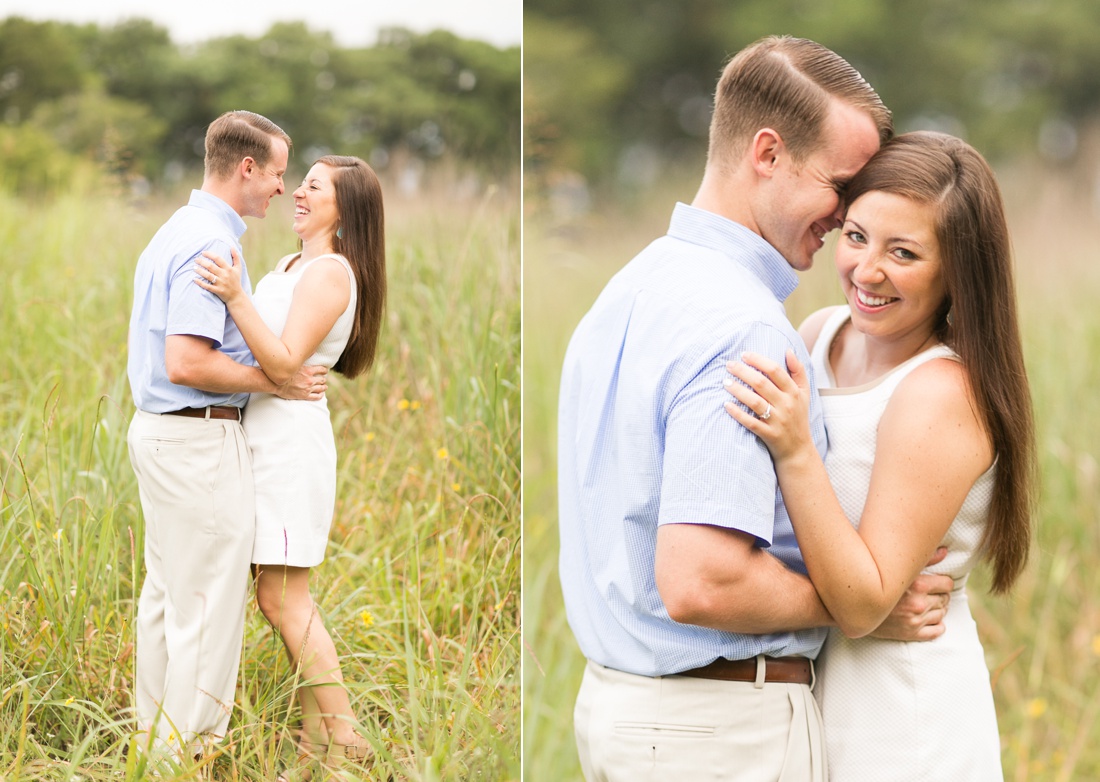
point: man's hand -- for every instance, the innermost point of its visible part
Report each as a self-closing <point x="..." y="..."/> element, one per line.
<point x="309" y="383"/>
<point x="919" y="614"/>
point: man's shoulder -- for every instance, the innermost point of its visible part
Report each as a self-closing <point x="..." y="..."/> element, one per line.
<point x="708" y="285"/>
<point x="188" y="232"/>
<point x="193" y="217"/>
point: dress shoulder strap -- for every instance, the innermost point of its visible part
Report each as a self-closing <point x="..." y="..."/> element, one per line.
<point x="832" y="326"/>
<point x="335" y="256"/>
<point x="285" y="261"/>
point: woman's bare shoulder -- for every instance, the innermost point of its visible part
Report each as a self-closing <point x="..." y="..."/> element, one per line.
<point x="936" y="399"/>
<point x="811" y="327"/>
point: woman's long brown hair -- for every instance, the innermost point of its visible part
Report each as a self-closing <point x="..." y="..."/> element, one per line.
<point x="978" y="318"/>
<point x="361" y="239"/>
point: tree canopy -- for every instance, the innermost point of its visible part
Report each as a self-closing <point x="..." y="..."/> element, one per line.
<point x="128" y="99"/>
<point x="609" y="85"/>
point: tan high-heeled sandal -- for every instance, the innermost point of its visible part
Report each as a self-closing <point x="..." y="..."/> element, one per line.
<point x="344" y="755"/>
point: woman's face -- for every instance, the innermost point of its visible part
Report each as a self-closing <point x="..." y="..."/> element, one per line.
<point x="315" y="213"/>
<point x="888" y="259"/>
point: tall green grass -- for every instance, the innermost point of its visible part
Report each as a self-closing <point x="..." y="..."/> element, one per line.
<point x="420" y="588"/>
<point x="1042" y="642"/>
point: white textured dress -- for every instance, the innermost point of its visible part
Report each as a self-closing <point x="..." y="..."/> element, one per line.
<point x="897" y="711"/>
<point x="293" y="449"/>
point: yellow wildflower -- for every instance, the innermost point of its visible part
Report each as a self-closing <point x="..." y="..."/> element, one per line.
<point x="370" y="437"/>
<point x="1036" y="708"/>
<point x="403" y="404"/>
<point x="442" y="453"/>
<point x="368" y="620"/>
<point x="415" y="404"/>
<point x="456" y="487"/>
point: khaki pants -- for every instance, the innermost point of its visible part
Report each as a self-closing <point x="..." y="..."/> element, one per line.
<point x="195" y="481"/>
<point x="681" y="729"/>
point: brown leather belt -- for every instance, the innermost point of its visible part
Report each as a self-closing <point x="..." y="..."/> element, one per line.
<point x="786" y="670"/>
<point x="214" y="411"/>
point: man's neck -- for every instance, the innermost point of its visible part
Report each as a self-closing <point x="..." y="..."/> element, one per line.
<point x="224" y="190"/>
<point x="727" y="194"/>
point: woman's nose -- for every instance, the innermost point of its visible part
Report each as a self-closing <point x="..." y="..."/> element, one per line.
<point x="868" y="270"/>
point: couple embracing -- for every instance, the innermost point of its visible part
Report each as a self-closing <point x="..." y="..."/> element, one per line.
<point x="766" y="533"/>
<point x="231" y="441"/>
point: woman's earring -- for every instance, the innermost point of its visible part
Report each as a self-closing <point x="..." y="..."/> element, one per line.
<point x="340" y="233"/>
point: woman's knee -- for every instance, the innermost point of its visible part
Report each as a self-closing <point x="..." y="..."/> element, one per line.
<point x="281" y="599"/>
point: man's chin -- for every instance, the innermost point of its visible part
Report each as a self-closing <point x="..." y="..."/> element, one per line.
<point x="802" y="263"/>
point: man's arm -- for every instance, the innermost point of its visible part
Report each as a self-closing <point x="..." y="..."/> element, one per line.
<point x="718" y="578"/>
<point x="192" y="361"/>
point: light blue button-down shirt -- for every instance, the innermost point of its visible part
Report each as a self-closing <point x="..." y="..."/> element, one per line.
<point x="644" y="440"/>
<point x="167" y="302"/>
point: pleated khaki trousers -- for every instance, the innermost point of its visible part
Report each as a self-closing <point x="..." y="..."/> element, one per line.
<point x="195" y="481"/>
<point x="654" y="729"/>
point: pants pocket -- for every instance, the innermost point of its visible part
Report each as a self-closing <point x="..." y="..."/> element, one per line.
<point x="664" y="730"/>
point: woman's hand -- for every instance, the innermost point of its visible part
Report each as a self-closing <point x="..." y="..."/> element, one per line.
<point x="779" y="403"/>
<point x="218" y="276"/>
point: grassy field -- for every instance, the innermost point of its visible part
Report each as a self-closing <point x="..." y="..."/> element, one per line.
<point x="421" y="585"/>
<point x="1042" y="643"/>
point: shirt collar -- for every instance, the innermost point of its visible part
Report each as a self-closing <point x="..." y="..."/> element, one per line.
<point x="749" y="249"/>
<point x="228" y="215"/>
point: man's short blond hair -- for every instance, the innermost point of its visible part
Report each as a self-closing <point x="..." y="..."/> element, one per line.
<point x="785" y="84"/>
<point x="236" y="135"/>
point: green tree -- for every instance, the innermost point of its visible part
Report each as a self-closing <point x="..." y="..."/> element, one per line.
<point x="1001" y="73"/>
<point x="572" y="86"/>
<point x="37" y="63"/>
<point x="120" y="134"/>
<point x="128" y="98"/>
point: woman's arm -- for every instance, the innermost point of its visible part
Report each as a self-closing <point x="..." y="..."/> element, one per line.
<point x="931" y="448"/>
<point x="320" y="297"/>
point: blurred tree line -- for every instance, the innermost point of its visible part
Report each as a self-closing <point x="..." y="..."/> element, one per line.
<point x="125" y="99"/>
<point x="614" y="91"/>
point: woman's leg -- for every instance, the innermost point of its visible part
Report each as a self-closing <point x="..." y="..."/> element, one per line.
<point x="284" y="599"/>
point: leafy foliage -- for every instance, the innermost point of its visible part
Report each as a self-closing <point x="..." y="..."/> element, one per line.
<point x="127" y="97"/>
<point x="1016" y="77"/>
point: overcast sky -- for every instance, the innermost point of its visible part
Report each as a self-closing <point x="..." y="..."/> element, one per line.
<point x="353" y="23"/>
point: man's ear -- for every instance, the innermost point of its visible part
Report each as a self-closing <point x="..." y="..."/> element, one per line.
<point x="247" y="166"/>
<point x="766" y="148"/>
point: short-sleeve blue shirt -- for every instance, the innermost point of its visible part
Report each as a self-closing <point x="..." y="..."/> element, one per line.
<point x="644" y="440"/>
<point x="167" y="301"/>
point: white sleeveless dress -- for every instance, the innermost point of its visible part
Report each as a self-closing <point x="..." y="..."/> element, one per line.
<point x="293" y="450"/>
<point x="897" y="711"/>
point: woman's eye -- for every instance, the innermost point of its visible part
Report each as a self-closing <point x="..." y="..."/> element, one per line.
<point x="906" y="255"/>
<point x="855" y="236"/>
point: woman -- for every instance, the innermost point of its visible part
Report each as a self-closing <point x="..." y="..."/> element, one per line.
<point x="322" y="305"/>
<point x="930" y="443"/>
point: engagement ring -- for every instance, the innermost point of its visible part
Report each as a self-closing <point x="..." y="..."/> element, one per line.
<point x="766" y="414"/>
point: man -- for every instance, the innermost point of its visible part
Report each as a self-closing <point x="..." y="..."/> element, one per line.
<point x="190" y="374"/>
<point x="682" y="579"/>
